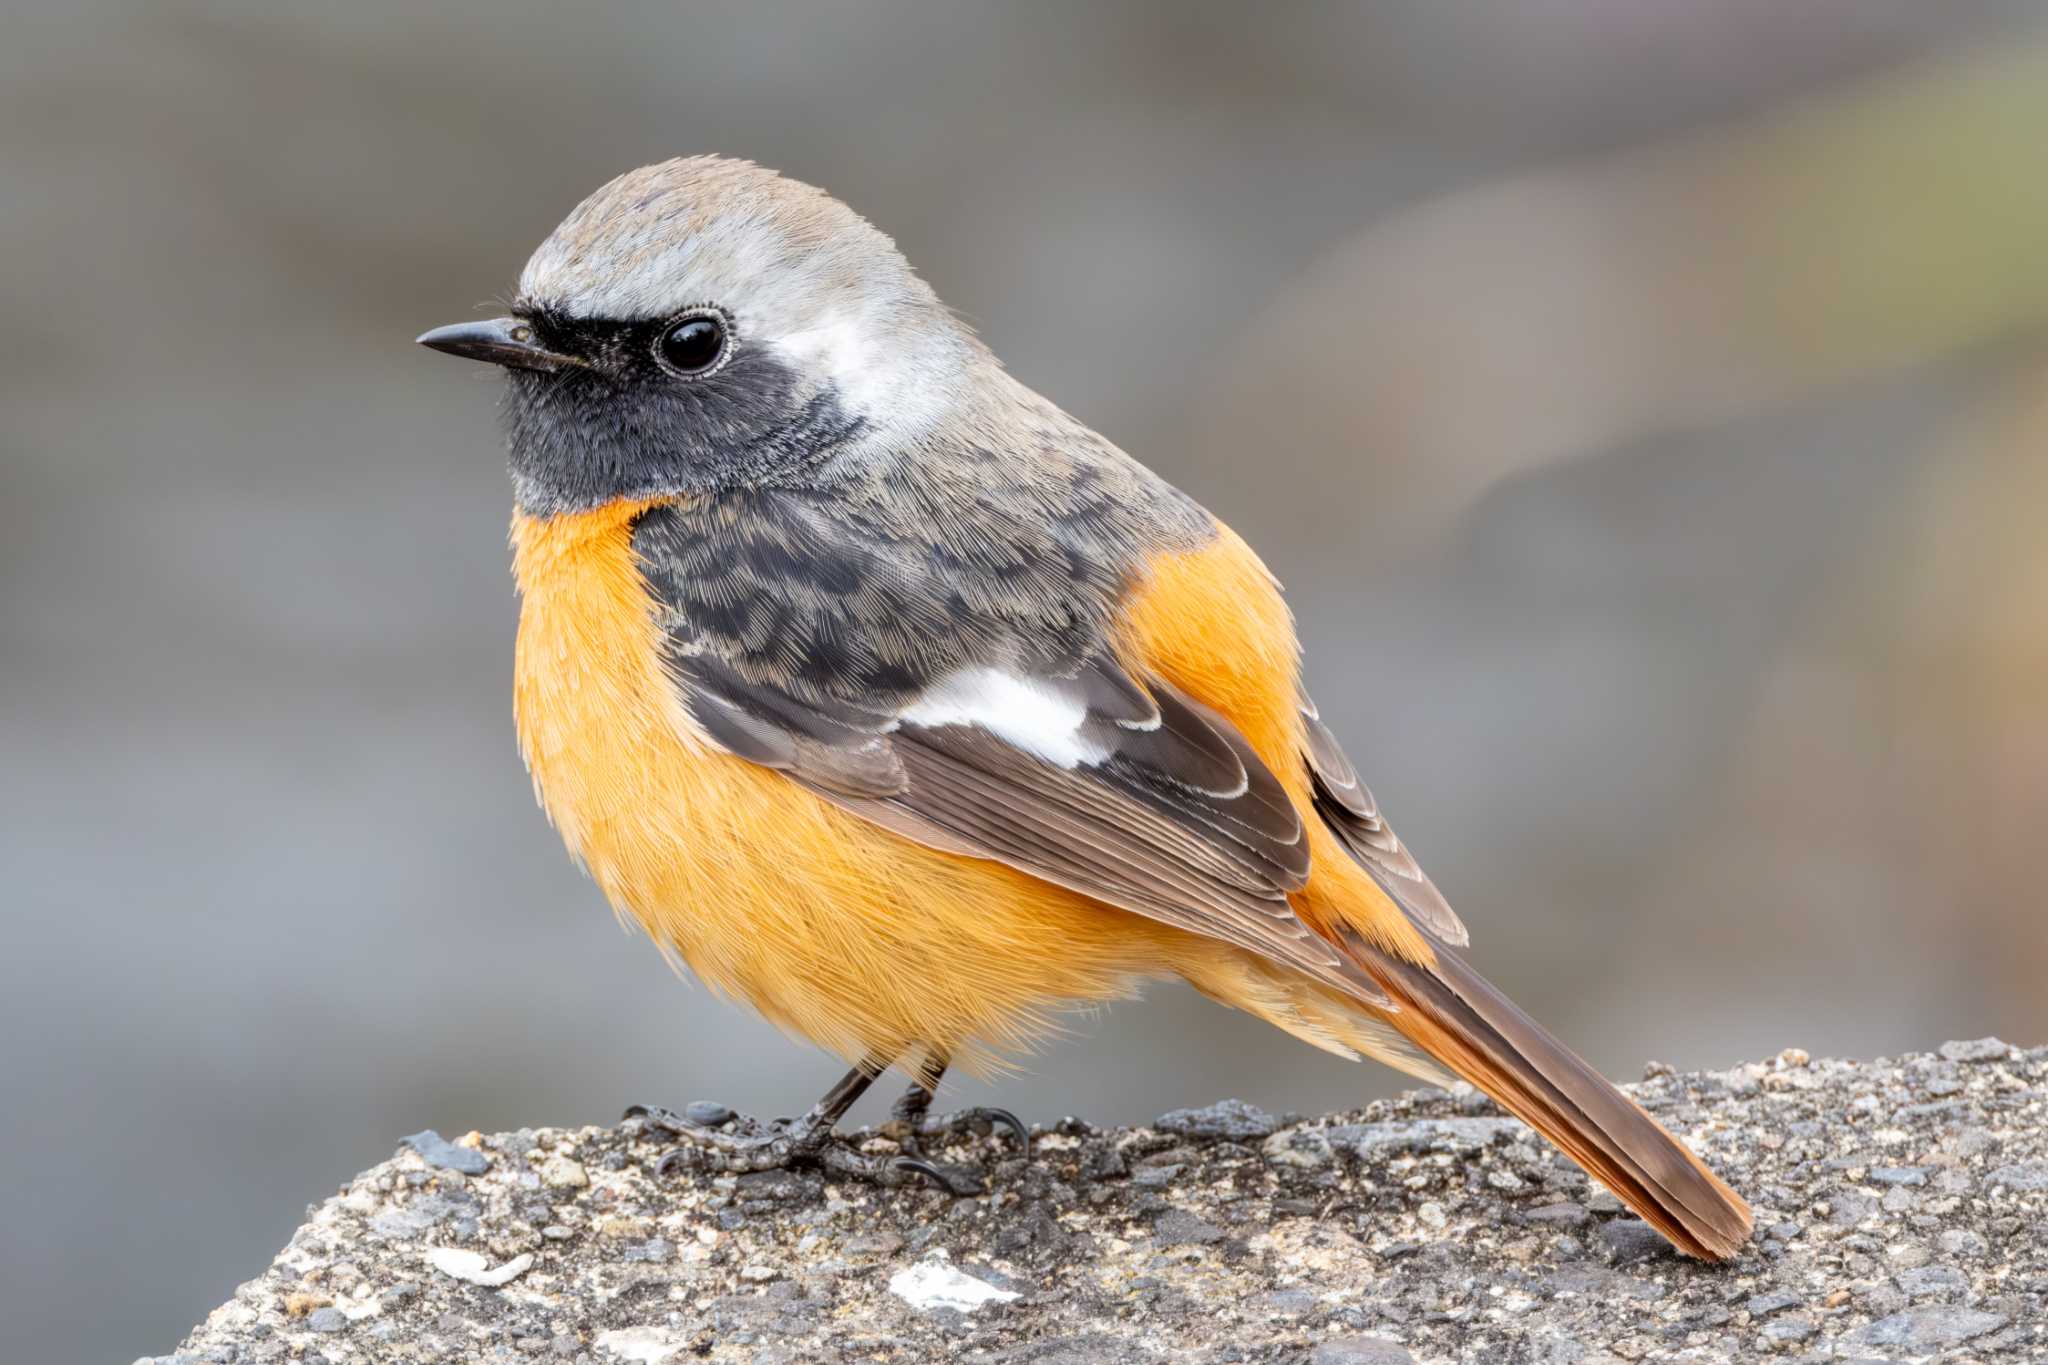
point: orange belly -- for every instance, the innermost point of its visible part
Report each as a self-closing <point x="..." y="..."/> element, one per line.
<point x="835" y="929"/>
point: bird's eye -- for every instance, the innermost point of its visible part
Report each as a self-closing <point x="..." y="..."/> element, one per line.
<point x="693" y="345"/>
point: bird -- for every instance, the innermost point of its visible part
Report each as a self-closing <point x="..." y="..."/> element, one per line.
<point x="893" y="701"/>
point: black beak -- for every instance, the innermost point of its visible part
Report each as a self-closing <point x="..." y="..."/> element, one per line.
<point x="502" y="341"/>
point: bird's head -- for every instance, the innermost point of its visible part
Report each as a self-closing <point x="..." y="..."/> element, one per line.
<point x="703" y="325"/>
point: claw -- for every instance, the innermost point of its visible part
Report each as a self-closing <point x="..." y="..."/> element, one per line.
<point x="944" y="1179"/>
<point x="994" y="1118"/>
<point x="1003" y="1118"/>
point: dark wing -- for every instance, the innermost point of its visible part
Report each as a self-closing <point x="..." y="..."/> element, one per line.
<point x="1347" y="807"/>
<point x="1149" y="801"/>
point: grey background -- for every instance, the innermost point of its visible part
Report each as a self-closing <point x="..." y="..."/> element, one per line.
<point x="1655" y="471"/>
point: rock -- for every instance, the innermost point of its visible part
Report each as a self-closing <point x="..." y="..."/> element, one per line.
<point x="1932" y="1281"/>
<point x="1289" y="1302"/>
<point x="1301" y="1148"/>
<point x="1233" y="1120"/>
<point x="1977" y="1050"/>
<point x="1924" y="1329"/>
<point x="874" y="1244"/>
<point x="437" y="1151"/>
<point x="1849" y="1208"/>
<point x="1360" y="1351"/>
<point x="1425" y="1228"/>
<point x="1631" y="1240"/>
<point x="1789" y="1330"/>
<point x="2023" y="1175"/>
<point x="653" y="1251"/>
<point x="1961" y="1242"/>
<point x="1178" y="1227"/>
<point x="1378" y="1140"/>
<point x="1564" y="1215"/>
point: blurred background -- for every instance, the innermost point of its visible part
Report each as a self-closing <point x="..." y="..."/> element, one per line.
<point x="1647" y="406"/>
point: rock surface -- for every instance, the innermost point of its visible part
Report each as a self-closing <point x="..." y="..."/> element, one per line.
<point x="1902" y="1214"/>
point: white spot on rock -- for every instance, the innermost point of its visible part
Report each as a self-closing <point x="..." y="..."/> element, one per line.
<point x="934" y="1282"/>
<point x="471" y="1266"/>
<point x="642" y="1345"/>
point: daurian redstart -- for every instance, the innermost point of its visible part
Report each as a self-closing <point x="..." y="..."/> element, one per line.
<point x="908" y="709"/>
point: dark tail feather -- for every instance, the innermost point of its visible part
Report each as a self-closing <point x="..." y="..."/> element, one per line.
<point x="1459" y="1018"/>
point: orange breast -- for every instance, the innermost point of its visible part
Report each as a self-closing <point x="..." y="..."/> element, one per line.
<point x="835" y="929"/>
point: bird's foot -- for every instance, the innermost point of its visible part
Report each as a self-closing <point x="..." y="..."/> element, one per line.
<point x="912" y="1132"/>
<point x="911" y="1124"/>
<point x="711" y="1137"/>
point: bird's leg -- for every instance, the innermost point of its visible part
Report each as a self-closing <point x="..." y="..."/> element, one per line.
<point x="712" y="1137"/>
<point x="910" y="1118"/>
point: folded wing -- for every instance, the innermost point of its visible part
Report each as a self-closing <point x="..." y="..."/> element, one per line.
<point x="1123" y="789"/>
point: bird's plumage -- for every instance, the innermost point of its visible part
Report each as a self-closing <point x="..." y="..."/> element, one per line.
<point x="903" y="706"/>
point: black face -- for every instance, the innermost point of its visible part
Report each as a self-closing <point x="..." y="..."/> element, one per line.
<point x="680" y="404"/>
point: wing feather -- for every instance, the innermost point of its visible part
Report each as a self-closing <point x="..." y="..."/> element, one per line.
<point x="1347" y="806"/>
<point x="1176" y="818"/>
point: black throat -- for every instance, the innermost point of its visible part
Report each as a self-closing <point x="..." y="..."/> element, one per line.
<point x="622" y="427"/>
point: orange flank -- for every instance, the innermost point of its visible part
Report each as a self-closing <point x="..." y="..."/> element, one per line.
<point x="1212" y="623"/>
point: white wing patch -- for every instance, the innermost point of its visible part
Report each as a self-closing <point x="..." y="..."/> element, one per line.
<point x="1035" y="716"/>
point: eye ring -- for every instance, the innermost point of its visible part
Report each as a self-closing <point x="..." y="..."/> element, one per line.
<point x="696" y="343"/>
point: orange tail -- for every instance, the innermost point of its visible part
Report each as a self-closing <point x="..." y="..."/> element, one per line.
<point x="1459" y="1018"/>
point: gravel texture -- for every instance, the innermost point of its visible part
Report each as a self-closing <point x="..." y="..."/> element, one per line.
<point x="1902" y="1214"/>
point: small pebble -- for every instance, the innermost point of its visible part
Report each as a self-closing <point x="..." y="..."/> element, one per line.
<point x="436" y="1150"/>
<point x="1231" y="1119"/>
<point x="1789" y="1330"/>
<point x="653" y="1251"/>
<point x="707" y="1113"/>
